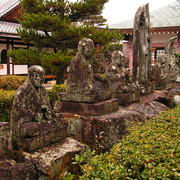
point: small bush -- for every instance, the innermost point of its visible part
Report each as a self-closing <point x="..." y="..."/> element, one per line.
<point x="6" y="100"/>
<point x="54" y="92"/>
<point x="11" y="82"/>
<point x="150" y="151"/>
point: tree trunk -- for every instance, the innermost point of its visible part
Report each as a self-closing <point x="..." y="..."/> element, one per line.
<point x="60" y="77"/>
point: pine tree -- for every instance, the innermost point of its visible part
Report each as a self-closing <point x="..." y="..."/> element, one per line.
<point x="60" y="24"/>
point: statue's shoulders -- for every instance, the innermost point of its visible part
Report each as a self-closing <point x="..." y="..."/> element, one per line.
<point x="24" y="89"/>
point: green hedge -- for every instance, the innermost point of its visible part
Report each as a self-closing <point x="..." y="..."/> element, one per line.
<point x="11" y="82"/>
<point x="150" y="151"/>
<point x="6" y="100"/>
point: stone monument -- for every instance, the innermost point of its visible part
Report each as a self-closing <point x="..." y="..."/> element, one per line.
<point x="33" y="122"/>
<point x="141" y="48"/>
<point x="117" y="76"/>
<point x="84" y="94"/>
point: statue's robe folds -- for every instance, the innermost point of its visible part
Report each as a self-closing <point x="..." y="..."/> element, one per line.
<point x="80" y="77"/>
<point x="26" y="108"/>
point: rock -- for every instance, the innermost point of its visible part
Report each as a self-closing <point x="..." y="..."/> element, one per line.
<point x="9" y="169"/>
<point x="55" y="161"/>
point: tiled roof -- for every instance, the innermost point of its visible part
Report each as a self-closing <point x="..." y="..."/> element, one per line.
<point x="8" y="28"/>
<point x="7" y="5"/>
<point x="165" y="16"/>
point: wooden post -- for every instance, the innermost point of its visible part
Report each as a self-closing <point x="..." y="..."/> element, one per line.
<point x="12" y="44"/>
<point x="8" y="58"/>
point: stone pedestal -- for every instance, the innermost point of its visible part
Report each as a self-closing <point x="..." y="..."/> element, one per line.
<point x="98" y="108"/>
<point x="128" y="98"/>
<point x="55" y="161"/>
<point x="84" y="98"/>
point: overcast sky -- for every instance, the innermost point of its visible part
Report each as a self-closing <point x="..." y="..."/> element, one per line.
<point x="120" y="10"/>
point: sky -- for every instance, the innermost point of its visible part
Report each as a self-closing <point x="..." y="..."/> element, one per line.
<point x="119" y="10"/>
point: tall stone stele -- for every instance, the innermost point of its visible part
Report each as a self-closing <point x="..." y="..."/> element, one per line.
<point x="141" y="46"/>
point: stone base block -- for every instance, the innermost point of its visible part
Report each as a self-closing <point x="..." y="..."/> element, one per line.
<point x="99" y="108"/>
<point x="128" y="98"/>
<point x="84" y="98"/>
<point x="55" y="161"/>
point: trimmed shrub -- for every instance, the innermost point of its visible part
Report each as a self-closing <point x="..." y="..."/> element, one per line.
<point x="6" y="100"/>
<point x="54" y="92"/>
<point x="11" y="82"/>
<point x="150" y="151"/>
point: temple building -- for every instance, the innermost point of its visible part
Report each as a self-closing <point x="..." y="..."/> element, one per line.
<point x="164" y="25"/>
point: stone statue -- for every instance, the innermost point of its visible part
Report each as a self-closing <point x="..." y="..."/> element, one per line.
<point x="171" y="66"/>
<point x="158" y="78"/>
<point x="117" y="76"/>
<point x="31" y="115"/>
<point x="80" y="73"/>
<point x="86" y="93"/>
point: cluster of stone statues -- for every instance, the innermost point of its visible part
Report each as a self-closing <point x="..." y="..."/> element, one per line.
<point x="81" y="79"/>
<point x="32" y="115"/>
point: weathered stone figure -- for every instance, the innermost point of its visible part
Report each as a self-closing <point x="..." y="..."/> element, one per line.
<point x="116" y="74"/>
<point x="141" y="45"/>
<point x="32" y="116"/>
<point x="80" y="75"/>
<point x="86" y="93"/>
<point x="170" y="59"/>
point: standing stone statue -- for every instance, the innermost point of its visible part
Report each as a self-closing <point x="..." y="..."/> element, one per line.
<point x="32" y="117"/>
<point x="141" y="45"/>
<point x="80" y="76"/>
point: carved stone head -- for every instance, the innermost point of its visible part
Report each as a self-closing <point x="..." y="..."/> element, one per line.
<point x="36" y="75"/>
<point x="86" y="47"/>
<point x="118" y="58"/>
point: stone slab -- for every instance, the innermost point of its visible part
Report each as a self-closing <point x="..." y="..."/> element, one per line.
<point x="54" y="161"/>
<point x="84" y="98"/>
<point x="99" y="108"/>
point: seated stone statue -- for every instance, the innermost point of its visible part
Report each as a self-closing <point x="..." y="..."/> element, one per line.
<point x="32" y="116"/>
<point x="80" y="72"/>
<point x="82" y="85"/>
<point x="116" y="73"/>
<point x="86" y="93"/>
<point x="117" y="76"/>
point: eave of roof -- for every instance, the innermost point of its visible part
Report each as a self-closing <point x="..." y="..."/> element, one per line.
<point x="7" y="6"/>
